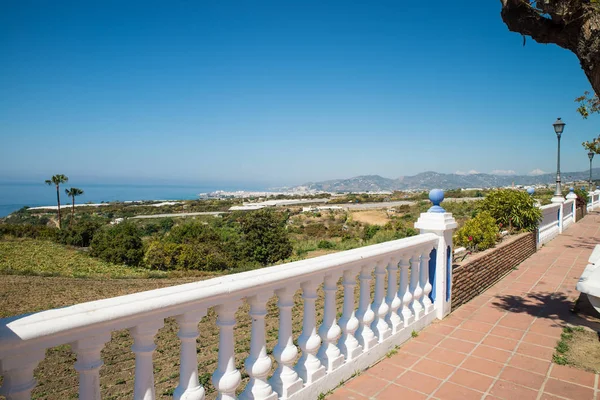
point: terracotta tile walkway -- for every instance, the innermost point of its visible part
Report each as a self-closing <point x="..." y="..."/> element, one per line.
<point x="500" y="344"/>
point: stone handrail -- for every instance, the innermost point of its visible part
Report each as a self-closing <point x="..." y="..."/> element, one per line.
<point x="593" y="200"/>
<point x="416" y="270"/>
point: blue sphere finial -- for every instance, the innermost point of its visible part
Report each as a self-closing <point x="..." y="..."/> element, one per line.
<point x="436" y="196"/>
<point x="571" y="189"/>
<point x="531" y="191"/>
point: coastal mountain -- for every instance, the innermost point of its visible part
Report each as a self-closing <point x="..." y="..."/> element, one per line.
<point x="431" y="180"/>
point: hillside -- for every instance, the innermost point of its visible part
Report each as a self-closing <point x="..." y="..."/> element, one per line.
<point x="430" y="180"/>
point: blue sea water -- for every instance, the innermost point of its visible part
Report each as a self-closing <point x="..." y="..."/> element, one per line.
<point x="14" y="196"/>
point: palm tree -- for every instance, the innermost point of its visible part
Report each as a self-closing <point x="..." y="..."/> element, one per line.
<point x="57" y="180"/>
<point x="73" y="192"/>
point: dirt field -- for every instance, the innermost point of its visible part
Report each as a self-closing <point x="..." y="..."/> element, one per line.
<point x="374" y="217"/>
<point x="56" y="376"/>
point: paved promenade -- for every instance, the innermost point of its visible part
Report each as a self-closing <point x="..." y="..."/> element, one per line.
<point x="500" y="344"/>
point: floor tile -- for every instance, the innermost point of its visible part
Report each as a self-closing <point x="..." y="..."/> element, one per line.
<point x="433" y="368"/>
<point x="511" y="391"/>
<point x="419" y="382"/>
<point x="451" y="391"/>
<point x="395" y="392"/>
<point x="522" y="377"/>
<point x="482" y="366"/>
<point x="568" y="390"/>
<point x="472" y="380"/>
<point x="565" y="373"/>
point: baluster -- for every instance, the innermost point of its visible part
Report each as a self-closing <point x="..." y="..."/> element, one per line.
<point x="425" y="284"/>
<point x="415" y="287"/>
<point x="348" y="344"/>
<point x="18" y="374"/>
<point x="380" y="308"/>
<point x="88" y="365"/>
<point x="365" y="315"/>
<point x="329" y="354"/>
<point x="285" y="380"/>
<point x="258" y="363"/>
<point x="404" y="293"/>
<point x="189" y="387"/>
<point x="309" y="367"/>
<point x="143" y="347"/>
<point x="226" y="378"/>
<point x="392" y="299"/>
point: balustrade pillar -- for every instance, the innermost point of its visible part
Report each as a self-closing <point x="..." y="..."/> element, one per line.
<point x="88" y="365"/>
<point x="330" y="355"/>
<point x="404" y="293"/>
<point x="226" y="378"/>
<point x="365" y="314"/>
<point x="189" y="386"/>
<point x="392" y="300"/>
<point x="18" y="374"/>
<point x="348" y="344"/>
<point x="258" y="363"/>
<point x="309" y="367"/>
<point x="143" y="347"/>
<point x="415" y="287"/>
<point x="425" y="284"/>
<point x="285" y="380"/>
<point x="380" y="308"/>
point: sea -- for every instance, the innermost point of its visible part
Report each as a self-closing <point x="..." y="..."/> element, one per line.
<point x="14" y="196"/>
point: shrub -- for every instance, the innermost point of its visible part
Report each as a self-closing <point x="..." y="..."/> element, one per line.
<point x="370" y="231"/>
<point x="325" y="244"/>
<point x="478" y="233"/>
<point x="162" y="255"/>
<point x="512" y="208"/>
<point x="81" y="234"/>
<point x="29" y="231"/>
<point x="264" y="238"/>
<point x="120" y="244"/>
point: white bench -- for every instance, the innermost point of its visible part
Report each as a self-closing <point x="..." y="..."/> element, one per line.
<point x="589" y="283"/>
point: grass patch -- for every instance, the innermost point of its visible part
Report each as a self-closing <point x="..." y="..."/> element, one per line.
<point x="579" y="348"/>
<point x="34" y="257"/>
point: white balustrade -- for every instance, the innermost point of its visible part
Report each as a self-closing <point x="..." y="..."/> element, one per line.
<point x="88" y="365"/>
<point x="548" y="227"/>
<point x="331" y="353"/>
<point x="309" y="367"/>
<point x="226" y="378"/>
<point x="392" y="299"/>
<point x="258" y="364"/>
<point x="143" y="347"/>
<point x="424" y="283"/>
<point x="189" y="387"/>
<point x="379" y="326"/>
<point x="285" y="380"/>
<point x="365" y="314"/>
<point x="405" y="293"/>
<point x="348" y="344"/>
<point x="415" y="286"/>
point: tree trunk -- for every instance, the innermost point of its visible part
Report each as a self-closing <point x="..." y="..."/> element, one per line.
<point x="58" y="209"/>
<point x="572" y="25"/>
<point x="72" y="213"/>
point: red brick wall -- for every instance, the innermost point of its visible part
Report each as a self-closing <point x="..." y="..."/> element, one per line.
<point x="482" y="270"/>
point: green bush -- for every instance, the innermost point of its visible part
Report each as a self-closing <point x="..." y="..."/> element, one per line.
<point x="478" y="233"/>
<point x="369" y="231"/>
<point x="514" y="209"/>
<point x="29" y="231"/>
<point x="325" y="244"/>
<point x="81" y="233"/>
<point x="119" y="244"/>
<point x="264" y="238"/>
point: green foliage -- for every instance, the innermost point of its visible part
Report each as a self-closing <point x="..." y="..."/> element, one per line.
<point x="478" y="233"/>
<point x="370" y="231"/>
<point x="29" y="231"/>
<point x="81" y="233"/>
<point x="589" y="103"/>
<point x="325" y="244"/>
<point x="119" y="244"/>
<point x="512" y="209"/>
<point x="264" y="238"/>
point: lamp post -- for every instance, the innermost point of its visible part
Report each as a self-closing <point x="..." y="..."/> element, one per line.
<point x="591" y="156"/>
<point x="559" y="126"/>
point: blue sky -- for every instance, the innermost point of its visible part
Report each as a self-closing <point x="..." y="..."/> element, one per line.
<point x="278" y="92"/>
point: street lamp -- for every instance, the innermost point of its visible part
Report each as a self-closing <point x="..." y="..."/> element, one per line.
<point x="591" y="156"/>
<point x="559" y="126"/>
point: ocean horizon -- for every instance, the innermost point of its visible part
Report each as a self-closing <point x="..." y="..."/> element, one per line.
<point x="16" y="195"/>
